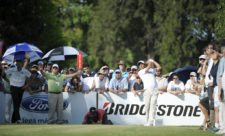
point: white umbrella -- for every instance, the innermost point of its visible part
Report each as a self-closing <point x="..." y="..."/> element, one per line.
<point x="61" y="53"/>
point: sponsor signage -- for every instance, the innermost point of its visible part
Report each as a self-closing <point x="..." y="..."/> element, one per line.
<point x="124" y="109"/>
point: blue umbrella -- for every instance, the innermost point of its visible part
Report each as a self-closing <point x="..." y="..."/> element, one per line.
<point x="22" y="50"/>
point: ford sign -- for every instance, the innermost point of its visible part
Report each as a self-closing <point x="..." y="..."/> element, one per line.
<point x="38" y="103"/>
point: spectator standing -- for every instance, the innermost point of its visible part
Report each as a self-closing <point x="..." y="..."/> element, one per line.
<point x="150" y="90"/>
<point x="17" y="78"/>
<point x="221" y="93"/>
<point x="55" y="97"/>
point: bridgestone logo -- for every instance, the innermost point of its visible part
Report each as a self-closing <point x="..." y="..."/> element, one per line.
<point x="162" y="110"/>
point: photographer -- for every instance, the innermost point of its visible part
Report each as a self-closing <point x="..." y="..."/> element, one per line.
<point x="95" y="116"/>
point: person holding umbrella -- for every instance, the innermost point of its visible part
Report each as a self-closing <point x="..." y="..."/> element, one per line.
<point x="17" y="78"/>
<point x="55" y="97"/>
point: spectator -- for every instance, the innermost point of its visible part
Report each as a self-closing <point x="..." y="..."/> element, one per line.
<point x="138" y="87"/>
<point x="74" y="85"/>
<point x="48" y="68"/>
<point x="87" y="78"/>
<point x="87" y="71"/>
<point x="161" y="81"/>
<point x="212" y="84"/>
<point x="150" y="90"/>
<point x="221" y="93"/>
<point x="118" y="84"/>
<point x="106" y="71"/>
<point x="55" y="97"/>
<point x="175" y="86"/>
<point x="202" y="68"/>
<point x="122" y="68"/>
<point x="40" y="65"/>
<point x="71" y="70"/>
<point x="192" y="85"/>
<point x="101" y="82"/>
<point x="17" y="78"/>
<point x="141" y="65"/>
<point x="35" y="83"/>
<point x="7" y="93"/>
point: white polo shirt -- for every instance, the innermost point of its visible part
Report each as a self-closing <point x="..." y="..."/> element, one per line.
<point x="148" y="78"/>
<point x="101" y="84"/>
<point x="17" y="78"/>
<point x="173" y="86"/>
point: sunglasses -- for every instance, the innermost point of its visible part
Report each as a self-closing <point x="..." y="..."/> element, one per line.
<point x="192" y="76"/>
<point x="202" y="59"/>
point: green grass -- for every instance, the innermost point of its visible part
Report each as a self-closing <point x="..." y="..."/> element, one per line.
<point x="98" y="130"/>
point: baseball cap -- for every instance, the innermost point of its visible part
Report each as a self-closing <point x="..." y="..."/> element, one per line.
<point x="105" y="67"/>
<point x="50" y="63"/>
<point x="40" y="63"/>
<point x="134" y="67"/>
<point x="140" y="62"/>
<point x="193" y="74"/>
<point x="34" y="68"/>
<point x="117" y="71"/>
<point x="55" y="65"/>
<point x="202" y="56"/>
<point x="71" y="69"/>
<point x="101" y="71"/>
<point x="121" y="62"/>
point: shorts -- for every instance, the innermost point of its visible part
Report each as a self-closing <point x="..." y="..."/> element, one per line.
<point x="205" y="103"/>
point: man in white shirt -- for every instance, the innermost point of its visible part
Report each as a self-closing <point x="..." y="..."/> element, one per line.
<point x="175" y="87"/>
<point x="161" y="81"/>
<point x="150" y="90"/>
<point x="118" y="84"/>
<point x="17" y="78"/>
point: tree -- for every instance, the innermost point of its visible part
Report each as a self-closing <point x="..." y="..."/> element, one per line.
<point x="220" y="20"/>
<point x="118" y="29"/>
<point x="30" y="21"/>
<point x="183" y="29"/>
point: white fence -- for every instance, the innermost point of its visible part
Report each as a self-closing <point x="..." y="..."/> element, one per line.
<point x="124" y="109"/>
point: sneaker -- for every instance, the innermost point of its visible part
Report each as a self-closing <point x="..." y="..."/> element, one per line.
<point x="19" y="121"/>
<point x="220" y="132"/>
<point x="51" y="122"/>
<point x="148" y="125"/>
<point x="60" y="122"/>
<point x="213" y="129"/>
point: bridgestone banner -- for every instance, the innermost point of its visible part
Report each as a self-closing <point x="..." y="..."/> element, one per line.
<point x="124" y="109"/>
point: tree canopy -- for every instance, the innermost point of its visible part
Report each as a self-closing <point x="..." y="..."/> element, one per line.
<point x="172" y="32"/>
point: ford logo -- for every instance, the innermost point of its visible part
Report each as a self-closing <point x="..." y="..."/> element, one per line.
<point x="38" y="104"/>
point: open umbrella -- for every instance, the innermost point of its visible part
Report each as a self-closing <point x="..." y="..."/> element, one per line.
<point x="184" y="73"/>
<point x="22" y="50"/>
<point x="61" y="53"/>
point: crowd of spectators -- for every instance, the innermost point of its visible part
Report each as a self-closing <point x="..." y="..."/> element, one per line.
<point x="144" y="77"/>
